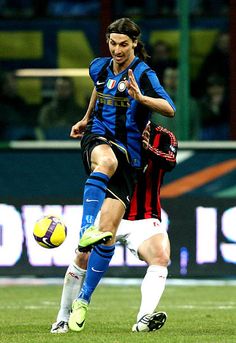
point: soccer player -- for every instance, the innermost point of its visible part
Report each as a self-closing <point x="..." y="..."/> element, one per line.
<point x="125" y="93"/>
<point x="141" y="232"/>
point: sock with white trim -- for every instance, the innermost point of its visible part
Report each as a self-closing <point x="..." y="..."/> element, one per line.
<point x="152" y="288"/>
<point x="73" y="281"/>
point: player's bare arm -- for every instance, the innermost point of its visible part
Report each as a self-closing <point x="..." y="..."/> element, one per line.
<point x="155" y="104"/>
<point x="77" y="130"/>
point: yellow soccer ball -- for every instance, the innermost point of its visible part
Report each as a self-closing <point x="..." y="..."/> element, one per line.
<point x="50" y="231"/>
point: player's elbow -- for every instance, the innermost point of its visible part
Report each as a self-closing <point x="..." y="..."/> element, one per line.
<point x="169" y="111"/>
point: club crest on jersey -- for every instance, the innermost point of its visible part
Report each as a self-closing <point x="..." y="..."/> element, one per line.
<point x="121" y="86"/>
<point x="111" y="83"/>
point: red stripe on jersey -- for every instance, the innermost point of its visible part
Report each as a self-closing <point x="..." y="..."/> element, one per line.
<point x="156" y="140"/>
<point x="133" y="209"/>
<point x="153" y="177"/>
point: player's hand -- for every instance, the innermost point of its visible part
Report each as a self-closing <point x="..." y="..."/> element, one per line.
<point x="146" y="136"/>
<point x="132" y="86"/>
<point x="78" y="129"/>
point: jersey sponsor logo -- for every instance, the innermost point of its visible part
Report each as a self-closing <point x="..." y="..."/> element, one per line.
<point x="121" y="86"/>
<point x="112" y="100"/>
<point x="111" y="83"/>
<point x="91" y="200"/>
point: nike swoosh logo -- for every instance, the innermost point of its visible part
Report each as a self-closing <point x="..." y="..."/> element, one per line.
<point x="89" y="200"/>
<point x="100" y="83"/>
<point x="97" y="271"/>
<point x="80" y="324"/>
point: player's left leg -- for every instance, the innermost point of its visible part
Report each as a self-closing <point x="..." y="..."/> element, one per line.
<point x="111" y="213"/>
<point x="156" y="252"/>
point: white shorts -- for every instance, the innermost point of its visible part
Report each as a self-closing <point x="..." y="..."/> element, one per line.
<point x="133" y="233"/>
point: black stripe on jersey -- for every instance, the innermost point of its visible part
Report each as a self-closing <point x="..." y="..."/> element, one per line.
<point x="120" y="127"/>
<point x="137" y="207"/>
<point x="157" y="178"/>
<point x="135" y="64"/>
<point x="147" y="87"/>
<point x="120" y="116"/>
<point x="141" y="195"/>
<point x="102" y="77"/>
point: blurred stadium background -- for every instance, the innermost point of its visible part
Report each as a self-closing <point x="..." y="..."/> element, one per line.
<point x="41" y="169"/>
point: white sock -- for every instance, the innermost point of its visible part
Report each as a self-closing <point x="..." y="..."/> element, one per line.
<point x="73" y="281"/>
<point x="152" y="287"/>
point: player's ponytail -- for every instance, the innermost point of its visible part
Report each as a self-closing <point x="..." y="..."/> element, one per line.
<point x="140" y="51"/>
<point x="128" y="27"/>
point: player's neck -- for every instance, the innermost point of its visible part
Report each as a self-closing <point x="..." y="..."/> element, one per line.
<point x="119" y="67"/>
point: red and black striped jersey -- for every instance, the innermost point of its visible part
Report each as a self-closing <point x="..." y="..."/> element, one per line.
<point x="145" y="202"/>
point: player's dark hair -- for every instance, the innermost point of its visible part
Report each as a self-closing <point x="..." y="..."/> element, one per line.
<point x="127" y="27"/>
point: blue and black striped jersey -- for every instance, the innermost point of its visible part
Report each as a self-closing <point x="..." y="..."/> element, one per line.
<point x="117" y="116"/>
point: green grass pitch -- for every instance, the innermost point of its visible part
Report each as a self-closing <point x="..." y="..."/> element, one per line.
<point x="198" y="314"/>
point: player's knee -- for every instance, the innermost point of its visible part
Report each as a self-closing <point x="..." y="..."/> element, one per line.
<point x="157" y="255"/>
<point x="156" y="250"/>
<point x="108" y="164"/>
<point x="163" y="259"/>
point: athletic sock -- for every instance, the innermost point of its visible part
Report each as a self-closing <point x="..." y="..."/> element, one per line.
<point x="94" y="194"/>
<point x="98" y="264"/>
<point x="152" y="288"/>
<point x="73" y="281"/>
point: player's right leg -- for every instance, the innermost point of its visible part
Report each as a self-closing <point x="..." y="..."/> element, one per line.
<point x="100" y="158"/>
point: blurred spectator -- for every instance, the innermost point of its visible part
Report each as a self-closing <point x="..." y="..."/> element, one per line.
<point x="15" y="114"/>
<point x="170" y="82"/>
<point x="15" y="8"/>
<point x="167" y="7"/>
<point x="196" y="7"/>
<point x="217" y="62"/>
<point x="213" y="7"/>
<point x="56" y="117"/>
<point x="73" y="7"/>
<point x="70" y="8"/>
<point x="161" y="58"/>
<point x="215" y="110"/>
